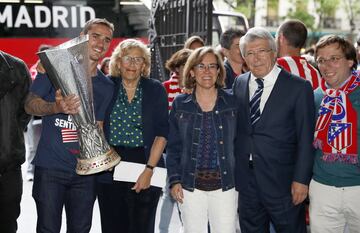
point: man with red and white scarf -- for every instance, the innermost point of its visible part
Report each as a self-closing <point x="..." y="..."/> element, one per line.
<point x="335" y="188"/>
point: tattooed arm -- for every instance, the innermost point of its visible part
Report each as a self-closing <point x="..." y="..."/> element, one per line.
<point x="35" y="105"/>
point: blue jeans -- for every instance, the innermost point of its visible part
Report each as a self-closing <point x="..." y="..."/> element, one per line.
<point x="167" y="208"/>
<point x="54" y="189"/>
<point x="166" y="211"/>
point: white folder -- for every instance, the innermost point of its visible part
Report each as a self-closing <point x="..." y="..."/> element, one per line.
<point x="130" y="172"/>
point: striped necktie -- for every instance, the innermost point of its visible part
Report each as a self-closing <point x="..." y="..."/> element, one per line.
<point x="255" y="102"/>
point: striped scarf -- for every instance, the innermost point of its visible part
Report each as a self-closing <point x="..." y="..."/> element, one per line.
<point x="336" y="126"/>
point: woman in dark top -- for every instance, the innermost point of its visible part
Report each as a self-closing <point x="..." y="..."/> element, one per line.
<point x="200" y="151"/>
<point x="137" y="127"/>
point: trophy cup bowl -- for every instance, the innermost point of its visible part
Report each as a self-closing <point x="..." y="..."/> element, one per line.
<point x="67" y="66"/>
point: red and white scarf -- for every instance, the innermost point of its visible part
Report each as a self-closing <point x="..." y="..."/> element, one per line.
<point x="336" y="126"/>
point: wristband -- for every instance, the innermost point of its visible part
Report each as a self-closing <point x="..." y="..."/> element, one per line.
<point x="150" y="167"/>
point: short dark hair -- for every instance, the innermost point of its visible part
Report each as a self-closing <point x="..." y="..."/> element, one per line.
<point x="229" y="35"/>
<point x="347" y="48"/>
<point x="91" y="22"/>
<point x="178" y="59"/>
<point x="294" y="31"/>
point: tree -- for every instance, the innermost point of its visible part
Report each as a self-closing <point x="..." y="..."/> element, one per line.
<point x="325" y="9"/>
<point x="352" y="10"/>
<point x="247" y="7"/>
<point x="301" y="13"/>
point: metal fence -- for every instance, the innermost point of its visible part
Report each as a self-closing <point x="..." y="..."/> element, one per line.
<point x="171" y="23"/>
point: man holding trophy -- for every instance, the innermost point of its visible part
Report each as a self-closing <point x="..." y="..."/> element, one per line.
<point x="56" y="184"/>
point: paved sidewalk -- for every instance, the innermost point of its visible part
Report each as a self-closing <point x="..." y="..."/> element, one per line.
<point x="27" y="219"/>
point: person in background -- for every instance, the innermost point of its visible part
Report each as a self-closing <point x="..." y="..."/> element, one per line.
<point x="33" y="68"/>
<point x="56" y="185"/>
<point x="290" y="38"/>
<point x="15" y="81"/>
<point x="136" y="126"/>
<point x="175" y="65"/>
<point x="273" y="145"/>
<point x="200" y="151"/>
<point x="174" y="87"/>
<point x="194" y="42"/>
<point x="104" y="66"/>
<point x="33" y="129"/>
<point x="310" y="51"/>
<point x="309" y="56"/>
<point x="335" y="186"/>
<point x="220" y="51"/>
<point x="234" y="62"/>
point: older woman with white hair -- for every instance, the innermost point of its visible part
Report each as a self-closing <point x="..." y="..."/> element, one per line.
<point x="137" y="127"/>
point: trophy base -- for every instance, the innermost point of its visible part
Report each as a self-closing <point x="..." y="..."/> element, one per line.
<point x="97" y="164"/>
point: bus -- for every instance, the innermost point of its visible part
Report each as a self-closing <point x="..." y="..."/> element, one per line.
<point x="27" y="24"/>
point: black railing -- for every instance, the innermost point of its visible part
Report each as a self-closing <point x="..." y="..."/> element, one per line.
<point x="171" y="23"/>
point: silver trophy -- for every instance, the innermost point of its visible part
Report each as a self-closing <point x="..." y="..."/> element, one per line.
<point x="67" y="66"/>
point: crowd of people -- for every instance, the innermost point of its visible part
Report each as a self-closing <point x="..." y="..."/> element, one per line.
<point x="250" y="135"/>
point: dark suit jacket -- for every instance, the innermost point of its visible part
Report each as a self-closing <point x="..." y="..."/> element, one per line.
<point x="281" y="142"/>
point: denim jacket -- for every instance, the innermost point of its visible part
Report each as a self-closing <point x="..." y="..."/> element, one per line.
<point x="185" y="122"/>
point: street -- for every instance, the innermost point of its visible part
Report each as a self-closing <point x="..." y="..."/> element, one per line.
<point x="27" y="219"/>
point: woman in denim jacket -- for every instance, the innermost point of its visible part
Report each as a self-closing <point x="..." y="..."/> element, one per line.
<point x="200" y="152"/>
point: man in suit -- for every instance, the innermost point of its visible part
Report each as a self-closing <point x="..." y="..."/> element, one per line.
<point x="273" y="148"/>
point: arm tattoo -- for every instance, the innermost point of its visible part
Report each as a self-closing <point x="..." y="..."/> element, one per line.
<point x="35" y="105"/>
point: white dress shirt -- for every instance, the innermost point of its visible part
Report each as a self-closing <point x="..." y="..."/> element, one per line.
<point x="269" y="82"/>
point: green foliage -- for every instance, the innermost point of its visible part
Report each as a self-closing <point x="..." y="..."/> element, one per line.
<point x="274" y="4"/>
<point x="304" y="16"/>
<point x="245" y="7"/>
<point x="300" y="12"/>
<point x="326" y="8"/>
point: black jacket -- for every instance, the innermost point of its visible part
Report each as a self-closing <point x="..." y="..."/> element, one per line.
<point x="14" y="86"/>
<point x="281" y="141"/>
<point x="230" y="75"/>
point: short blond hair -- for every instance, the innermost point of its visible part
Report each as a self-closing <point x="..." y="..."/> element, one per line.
<point x="195" y="58"/>
<point x="122" y="49"/>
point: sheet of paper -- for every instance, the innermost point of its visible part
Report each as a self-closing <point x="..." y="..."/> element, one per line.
<point x="129" y="172"/>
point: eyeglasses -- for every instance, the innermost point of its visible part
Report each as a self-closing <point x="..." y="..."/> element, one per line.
<point x="136" y="60"/>
<point x="260" y="53"/>
<point x="211" y="67"/>
<point x="333" y="60"/>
